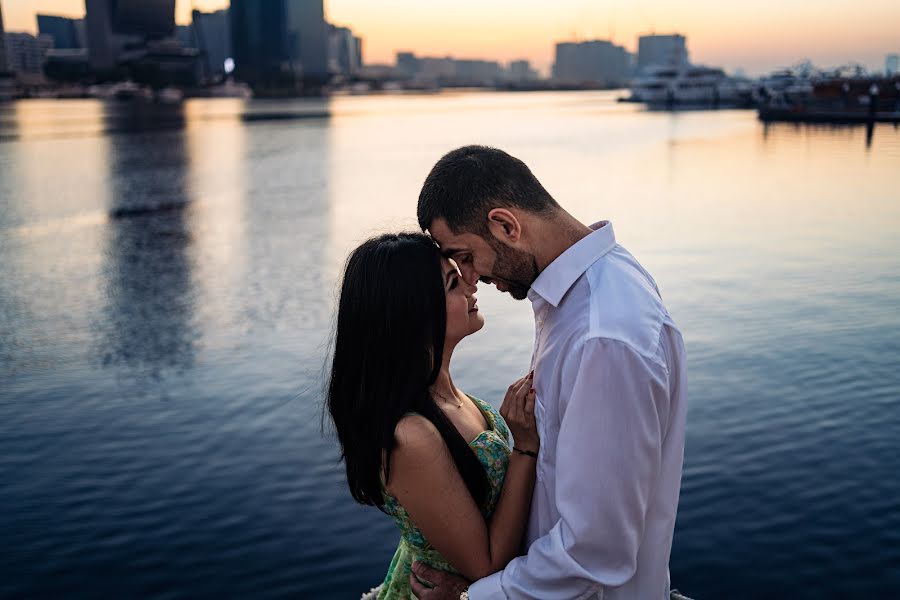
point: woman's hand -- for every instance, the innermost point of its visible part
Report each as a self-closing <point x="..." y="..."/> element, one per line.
<point x="518" y="411"/>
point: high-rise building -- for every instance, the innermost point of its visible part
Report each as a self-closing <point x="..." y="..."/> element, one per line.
<point x="595" y="62"/>
<point x="662" y="50"/>
<point x="112" y="26"/>
<point x="3" y="66"/>
<point x="212" y="34"/>
<point x="7" y="79"/>
<point x="892" y="64"/>
<point x="25" y="53"/>
<point x="308" y="39"/>
<point x="66" y="33"/>
<point x="184" y="35"/>
<point x="103" y="44"/>
<point x="344" y="51"/>
<point x="280" y="46"/>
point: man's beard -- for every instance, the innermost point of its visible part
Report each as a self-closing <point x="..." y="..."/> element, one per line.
<point x="515" y="268"/>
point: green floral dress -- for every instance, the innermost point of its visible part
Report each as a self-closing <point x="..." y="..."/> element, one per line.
<point x="492" y="449"/>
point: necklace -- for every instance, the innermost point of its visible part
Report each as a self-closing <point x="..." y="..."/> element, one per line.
<point x="446" y="399"/>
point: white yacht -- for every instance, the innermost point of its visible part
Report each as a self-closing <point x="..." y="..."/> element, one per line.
<point x="688" y="85"/>
<point x="784" y="86"/>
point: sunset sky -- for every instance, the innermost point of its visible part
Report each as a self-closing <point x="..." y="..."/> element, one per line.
<point x="757" y="36"/>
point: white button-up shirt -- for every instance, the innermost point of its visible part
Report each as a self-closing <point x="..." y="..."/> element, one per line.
<point x="611" y="383"/>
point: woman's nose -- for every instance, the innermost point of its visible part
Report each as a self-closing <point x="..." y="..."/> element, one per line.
<point x="469" y="289"/>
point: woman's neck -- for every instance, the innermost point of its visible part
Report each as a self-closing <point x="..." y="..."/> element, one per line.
<point x="444" y="383"/>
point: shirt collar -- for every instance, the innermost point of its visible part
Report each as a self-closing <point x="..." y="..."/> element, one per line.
<point x="561" y="274"/>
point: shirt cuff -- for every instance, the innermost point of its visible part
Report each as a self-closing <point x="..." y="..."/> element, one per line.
<point x="488" y="588"/>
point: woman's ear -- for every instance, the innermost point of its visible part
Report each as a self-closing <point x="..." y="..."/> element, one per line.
<point x="504" y="225"/>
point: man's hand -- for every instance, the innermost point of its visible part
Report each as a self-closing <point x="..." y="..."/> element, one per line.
<point x="446" y="586"/>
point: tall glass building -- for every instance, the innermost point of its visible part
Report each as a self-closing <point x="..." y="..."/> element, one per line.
<point x="280" y="46"/>
<point x="111" y="25"/>
<point x="64" y="31"/>
<point x="2" y="44"/>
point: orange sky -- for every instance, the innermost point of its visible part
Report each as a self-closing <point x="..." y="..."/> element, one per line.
<point x="757" y="36"/>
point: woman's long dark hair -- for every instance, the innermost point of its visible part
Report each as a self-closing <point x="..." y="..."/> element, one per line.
<point x="388" y="348"/>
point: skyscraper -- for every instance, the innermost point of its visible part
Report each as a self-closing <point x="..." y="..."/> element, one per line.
<point x="66" y="33"/>
<point x="344" y="51"/>
<point x="662" y="50"/>
<point x="103" y="45"/>
<point x="280" y="46"/>
<point x="25" y="53"/>
<point x="112" y="24"/>
<point x="308" y="39"/>
<point x="212" y="33"/>
<point x="3" y="66"/>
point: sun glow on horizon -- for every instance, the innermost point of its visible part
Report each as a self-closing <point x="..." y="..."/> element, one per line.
<point x="758" y="36"/>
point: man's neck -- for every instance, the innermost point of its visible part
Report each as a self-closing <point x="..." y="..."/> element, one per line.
<point x="558" y="235"/>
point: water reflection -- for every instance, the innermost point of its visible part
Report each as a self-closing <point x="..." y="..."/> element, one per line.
<point x="846" y="132"/>
<point x="198" y="262"/>
<point x="147" y="265"/>
<point x="9" y="123"/>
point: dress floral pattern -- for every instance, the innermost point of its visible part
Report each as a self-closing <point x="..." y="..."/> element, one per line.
<point x="492" y="449"/>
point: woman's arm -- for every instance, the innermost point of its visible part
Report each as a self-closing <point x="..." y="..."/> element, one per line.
<point x="425" y="481"/>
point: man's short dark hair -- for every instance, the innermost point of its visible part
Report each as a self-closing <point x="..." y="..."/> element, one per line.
<point x="469" y="182"/>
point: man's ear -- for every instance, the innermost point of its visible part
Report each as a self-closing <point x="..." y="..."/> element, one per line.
<point x="504" y="225"/>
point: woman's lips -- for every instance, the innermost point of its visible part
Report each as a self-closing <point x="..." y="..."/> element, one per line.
<point x="474" y="307"/>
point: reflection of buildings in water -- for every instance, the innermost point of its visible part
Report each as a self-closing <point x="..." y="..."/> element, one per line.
<point x="150" y="292"/>
<point x="14" y="308"/>
<point x="837" y="134"/>
<point x="11" y="172"/>
<point x="48" y="237"/>
<point x="136" y="117"/>
<point x="286" y="201"/>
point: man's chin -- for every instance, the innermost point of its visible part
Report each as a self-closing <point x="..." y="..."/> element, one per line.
<point x="516" y="291"/>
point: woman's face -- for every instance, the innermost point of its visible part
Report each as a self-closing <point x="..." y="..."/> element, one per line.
<point x="463" y="317"/>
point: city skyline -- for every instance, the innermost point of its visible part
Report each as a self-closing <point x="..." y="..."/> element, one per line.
<point x="758" y="37"/>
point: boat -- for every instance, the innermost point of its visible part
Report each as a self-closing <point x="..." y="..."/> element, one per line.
<point x="838" y="100"/>
<point x="691" y="85"/>
<point x="784" y="87"/>
<point x="229" y="89"/>
<point x="129" y="90"/>
<point x="124" y="90"/>
<point x="169" y="95"/>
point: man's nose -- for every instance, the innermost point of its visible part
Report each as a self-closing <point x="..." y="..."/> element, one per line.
<point x="469" y="275"/>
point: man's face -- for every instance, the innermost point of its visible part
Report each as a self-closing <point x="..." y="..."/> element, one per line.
<point x="489" y="261"/>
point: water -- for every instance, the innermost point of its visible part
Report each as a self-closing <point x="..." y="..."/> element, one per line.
<point x="167" y="279"/>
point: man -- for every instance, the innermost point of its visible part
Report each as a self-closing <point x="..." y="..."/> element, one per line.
<point x="610" y="375"/>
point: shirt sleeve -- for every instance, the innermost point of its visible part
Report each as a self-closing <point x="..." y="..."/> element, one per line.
<point x="607" y="463"/>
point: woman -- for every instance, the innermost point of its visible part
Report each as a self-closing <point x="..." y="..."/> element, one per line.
<point x="435" y="459"/>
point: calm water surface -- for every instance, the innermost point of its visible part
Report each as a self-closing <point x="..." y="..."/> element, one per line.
<point x="167" y="280"/>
